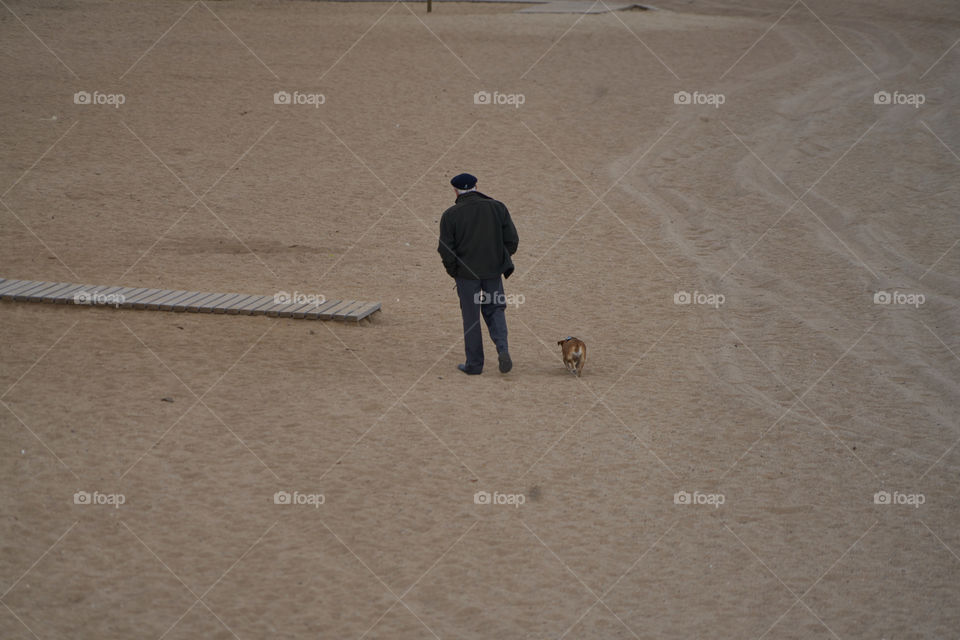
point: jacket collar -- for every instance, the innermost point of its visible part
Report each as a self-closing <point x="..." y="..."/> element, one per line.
<point x="470" y="195"/>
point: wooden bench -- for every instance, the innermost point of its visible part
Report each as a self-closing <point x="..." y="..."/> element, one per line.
<point x="176" y="300"/>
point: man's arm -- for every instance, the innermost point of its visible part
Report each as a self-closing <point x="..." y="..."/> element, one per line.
<point x="510" y="237"/>
<point x="445" y="246"/>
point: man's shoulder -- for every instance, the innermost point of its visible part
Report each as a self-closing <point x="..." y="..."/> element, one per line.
<point x="476" y="198"/>
<point x="483" y="199"/>
<point x="450" y="210"/>
<point x="493" y="201"/>
<point x="486" y="198"/>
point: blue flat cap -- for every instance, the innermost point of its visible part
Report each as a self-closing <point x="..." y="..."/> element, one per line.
<point x="464" y="181"/>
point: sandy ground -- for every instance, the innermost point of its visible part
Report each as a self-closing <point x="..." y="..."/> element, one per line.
<point x="793" y="403"/>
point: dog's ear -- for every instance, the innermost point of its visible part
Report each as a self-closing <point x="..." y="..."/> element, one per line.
<point x="560" y="342"/>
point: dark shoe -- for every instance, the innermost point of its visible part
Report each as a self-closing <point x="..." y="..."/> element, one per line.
<point x="463" y="368"/>
<point x="505" y="362"/>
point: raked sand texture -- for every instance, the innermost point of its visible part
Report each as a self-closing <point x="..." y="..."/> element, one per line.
<point x="762" y="260"/>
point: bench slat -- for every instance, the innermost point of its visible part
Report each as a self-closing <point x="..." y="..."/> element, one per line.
<point x="206" y="305"/>
<point x="362" y="312"/>
<point x="66" y="295"/>
<point x="38" y="295"/>
<point x="193" y="304"/>
<point x="60" y="288"/>
<point x="33" y="285"/>
<point x="10" y="285"/>
<point x="231" y="305"/>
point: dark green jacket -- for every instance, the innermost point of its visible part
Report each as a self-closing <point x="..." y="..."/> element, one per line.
<point x="477" y="238"/>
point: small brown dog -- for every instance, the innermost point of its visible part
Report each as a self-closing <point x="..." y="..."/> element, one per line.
<point x="574" y="354"/>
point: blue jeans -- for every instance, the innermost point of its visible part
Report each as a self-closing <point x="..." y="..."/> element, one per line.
<point x="481" y="298"/>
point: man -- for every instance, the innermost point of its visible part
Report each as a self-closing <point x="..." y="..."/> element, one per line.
<point x="477" y="238"/>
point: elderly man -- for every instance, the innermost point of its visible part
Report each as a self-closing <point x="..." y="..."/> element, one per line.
<point x="477" y="238"/>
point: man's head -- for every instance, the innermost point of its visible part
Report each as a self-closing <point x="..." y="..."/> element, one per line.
<point x="464" y="183"/>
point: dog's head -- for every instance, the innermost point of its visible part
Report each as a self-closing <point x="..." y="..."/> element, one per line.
<point x="565" y="340"/>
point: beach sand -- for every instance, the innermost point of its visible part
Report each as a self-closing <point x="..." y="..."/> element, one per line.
<point x="781" y="400"/>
